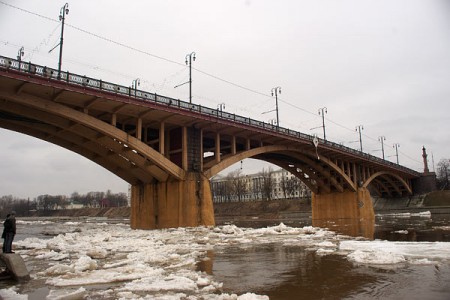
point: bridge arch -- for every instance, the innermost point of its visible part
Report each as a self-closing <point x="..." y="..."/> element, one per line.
<point x="386" y="175"/>
<point x="311" y="172"/>
<point x="232" y="159"/>
<point x="103" y="143"/>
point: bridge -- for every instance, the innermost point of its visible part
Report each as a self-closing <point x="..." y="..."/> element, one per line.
<point x="168" y="149"/>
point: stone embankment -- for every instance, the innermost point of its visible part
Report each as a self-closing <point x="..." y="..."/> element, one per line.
<point x="435" y="202"/>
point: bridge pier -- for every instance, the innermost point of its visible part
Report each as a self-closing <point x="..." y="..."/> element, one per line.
<point x="351" y="211"/>
<point x="184" y="203"/>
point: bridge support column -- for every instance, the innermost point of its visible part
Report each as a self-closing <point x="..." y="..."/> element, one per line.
<point x="186" y="203"/>
<point x="352" y="212"/>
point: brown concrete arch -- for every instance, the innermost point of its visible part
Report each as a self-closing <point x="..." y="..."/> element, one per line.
<point x="381" y="173"/>
<point x="137" y="148"/>
<point x="298" y="154"/>
<point x="231" y="160"/>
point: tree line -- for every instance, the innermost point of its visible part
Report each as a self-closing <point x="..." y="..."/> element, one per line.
<point x="443" y="173"/>
<point x="24" y="207"/>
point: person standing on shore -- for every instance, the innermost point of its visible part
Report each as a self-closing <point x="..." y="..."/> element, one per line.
<point x="3" y="234"/>
<point x="9" y="231"/>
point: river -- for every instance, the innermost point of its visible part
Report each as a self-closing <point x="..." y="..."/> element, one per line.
<point x="404" y="256"/>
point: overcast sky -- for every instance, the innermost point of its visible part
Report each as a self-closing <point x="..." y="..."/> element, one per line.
<point x="382" y="64"/>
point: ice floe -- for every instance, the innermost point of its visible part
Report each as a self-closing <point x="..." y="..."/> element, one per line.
<point x="386" y="252"/>
<point x="162" y="264"/>
<point x="423" y="214"/>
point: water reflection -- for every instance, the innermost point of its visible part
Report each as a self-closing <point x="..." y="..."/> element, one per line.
<point x="286" y="273"/>
<point x="350" y="227"/>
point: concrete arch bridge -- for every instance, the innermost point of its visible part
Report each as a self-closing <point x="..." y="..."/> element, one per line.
<point x="168" y="149"/>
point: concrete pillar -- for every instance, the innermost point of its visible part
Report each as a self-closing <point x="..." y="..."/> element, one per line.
<point x="167" y="147"/>
<point x="217" y="148"/>
<point x="247" y="144"/>
<point x="186" y="203"/>
<point x="114" y="120"/>
<point x="355" y="209"/>
<point x="161" y="137"/>
<point x="233" y="145"/>
<point x="139" y="129"/>
<point x="201" y="150"/>
<point x="184" y="146"/>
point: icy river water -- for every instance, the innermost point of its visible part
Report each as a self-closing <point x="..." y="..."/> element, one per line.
<point x="406" y="256"/>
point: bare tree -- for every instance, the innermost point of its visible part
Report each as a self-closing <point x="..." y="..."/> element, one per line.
<point x="443" y="173"/>
<point x="284" y="183"/>
<point x="238" y="186"/>
<point x="117" y="200"/>
<point x="268" y="183"/>
<point x="93" y="199"/>
<point x="293" y="185"/>
<point x="49" y="202"/>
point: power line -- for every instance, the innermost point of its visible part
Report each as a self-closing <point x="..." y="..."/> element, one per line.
<point x="29" y="12"/>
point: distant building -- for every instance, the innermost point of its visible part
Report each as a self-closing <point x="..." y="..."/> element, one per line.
<point x="74" y="205"/>
<point x="265" y="185"/>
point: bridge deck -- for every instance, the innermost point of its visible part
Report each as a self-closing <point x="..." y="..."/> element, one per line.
<point x="102" y="99"/>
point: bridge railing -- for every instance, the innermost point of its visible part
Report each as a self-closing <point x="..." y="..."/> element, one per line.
<point x="71" y="78"/>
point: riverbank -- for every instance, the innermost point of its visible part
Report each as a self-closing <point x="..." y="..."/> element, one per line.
<point x="436" y="202"/>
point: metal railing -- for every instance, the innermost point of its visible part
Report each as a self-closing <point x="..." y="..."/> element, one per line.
<point x="43" y="71"/>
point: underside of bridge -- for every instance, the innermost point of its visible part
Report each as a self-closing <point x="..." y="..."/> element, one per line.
<point x="168" y="151"/>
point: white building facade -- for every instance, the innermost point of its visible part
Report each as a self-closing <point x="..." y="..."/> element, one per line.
<point x="265" y="185"/>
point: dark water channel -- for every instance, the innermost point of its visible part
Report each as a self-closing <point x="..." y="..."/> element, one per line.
<point x="283" y="272"/>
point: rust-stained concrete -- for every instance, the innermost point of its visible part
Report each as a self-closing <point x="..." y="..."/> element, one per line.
<point x="185" y="203"/>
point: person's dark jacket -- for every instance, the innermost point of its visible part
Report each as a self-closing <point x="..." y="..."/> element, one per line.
<point x="10" y="225"/>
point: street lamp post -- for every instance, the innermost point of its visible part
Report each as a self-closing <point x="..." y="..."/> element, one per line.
<point x="19" y="55"/>
<point x="396" y="146"/>
<point x="190" y="56"/>
<point x="135" y="84"/>
<point x="358" y="129"/>
<point x="323" y="111"/>
<point x="220" y="108"/>
<point x="382" y="139"/>
<point x="62" y="17"/>
<point x="276" y="91"/>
